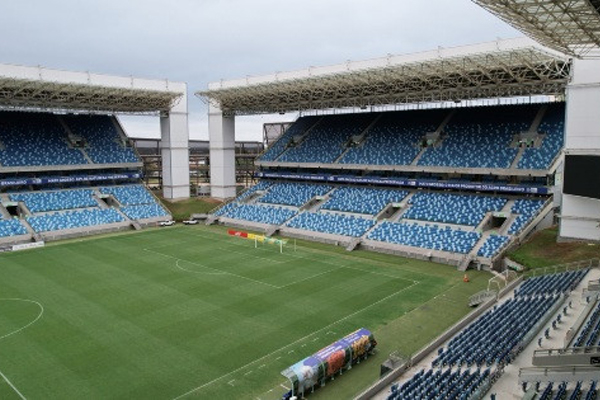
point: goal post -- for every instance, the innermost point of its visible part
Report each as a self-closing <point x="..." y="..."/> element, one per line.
<point x="267" y="240"/>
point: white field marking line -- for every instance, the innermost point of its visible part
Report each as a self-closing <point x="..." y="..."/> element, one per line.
<point x="12" y="386"/>
<point x="29" y="324"/>
<point x="285" y="387"/>
<point x="249" y="254"/>
<point x="294" y="342"/>
<point x="195" y="272"/>
<point x="214" y="269"/>
<point x="310" y="277"/>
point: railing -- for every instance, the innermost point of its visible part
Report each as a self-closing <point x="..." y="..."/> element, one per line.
<point x="573" y="266"/>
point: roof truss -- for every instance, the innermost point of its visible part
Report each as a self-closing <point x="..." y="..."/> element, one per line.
<point x="569" y="26"/>
<point x="39" y="94"/>
<point x="516" y="72"/>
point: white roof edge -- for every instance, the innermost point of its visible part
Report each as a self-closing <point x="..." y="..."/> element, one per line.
<point x="43" y="74"/>
<point x="500" y="45"/>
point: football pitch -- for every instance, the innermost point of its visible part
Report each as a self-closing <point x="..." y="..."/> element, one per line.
<point x="190" y="312"/>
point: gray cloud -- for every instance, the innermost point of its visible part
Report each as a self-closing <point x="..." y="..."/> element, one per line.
<point x="206" y="40"/>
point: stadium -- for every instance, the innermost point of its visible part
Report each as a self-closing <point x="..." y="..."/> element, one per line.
<point x="380" y="247"/>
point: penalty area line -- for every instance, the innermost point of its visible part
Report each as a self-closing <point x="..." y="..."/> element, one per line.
<point x="12" y="386"/>
<point x="210" y="268"/>
<point x="327" y="327"/>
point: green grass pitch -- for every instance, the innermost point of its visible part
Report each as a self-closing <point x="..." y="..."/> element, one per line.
<point x="190" y="312"/>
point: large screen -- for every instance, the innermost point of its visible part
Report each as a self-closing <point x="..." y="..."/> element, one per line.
<point x="582" y="176"/>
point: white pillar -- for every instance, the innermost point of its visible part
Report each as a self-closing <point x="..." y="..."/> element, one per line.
<point x="580" y="216"/>
<point x="221" y="130"/>
<point x="175" y="150"/>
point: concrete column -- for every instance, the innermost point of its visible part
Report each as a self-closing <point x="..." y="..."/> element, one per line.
<point x="175" y="151"/>
<point x="221" y="130"/>
<point x="580" y="216"/>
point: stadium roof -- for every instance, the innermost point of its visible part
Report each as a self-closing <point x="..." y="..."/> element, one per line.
<point x="569" y="26"/>
<point x="41" y="88"/>
<point x="504" y="68"/>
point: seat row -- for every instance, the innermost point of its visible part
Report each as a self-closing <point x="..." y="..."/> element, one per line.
<point x="589" y="335"/>
<point x="579" y="392"/>
<point x="441" y="384"/>
<point x="493" y="337"/>
<point x="552" y="284"/>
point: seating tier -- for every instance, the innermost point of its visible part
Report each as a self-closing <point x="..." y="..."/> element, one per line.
<point x="73" y="219"/>
<point x="425" y="236"/>
<point x="56" y="200"/>
<point x="336" y="224"/>
<point x="362" y="200"/>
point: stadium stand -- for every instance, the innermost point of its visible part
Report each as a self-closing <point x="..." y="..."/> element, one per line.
<point x="362" y="200"/>
<point x="326" y="141"/>
<point x="262" y="185"/>
<point x="263" y="214"/>
<point x="103" y="142"/>
<point x="144" y="211"/>
<point x="336" y="224"/>
<point x="552" y="125"/>
<point x="35" y="139"/>
<point x="551" y="284"/>
<point x="526" y="210"/>
<point x="11" y="227"/>
<point x="492" y="245"/>
<point x="394" y="139"/>
<point x="425" y="236"/>
<point x="490" y="342"/>
<point x="129" y="194"/>
<point x="578" y="392"/>
<point x="73" y="219"/>
<point x="452" y="208"/>
<point x="297" y="129"/>
<point x="56" y="200"/>
<point x="480" y="139"/>
<point x="293" y="194"/>
<point x="589" y="335"/>
<point x="441" y="384"/>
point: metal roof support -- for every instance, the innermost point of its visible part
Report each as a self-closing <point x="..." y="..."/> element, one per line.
<point x="510" y="68"/>
<point x="569" y="26"/>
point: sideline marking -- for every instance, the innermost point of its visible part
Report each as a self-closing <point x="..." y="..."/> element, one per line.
<point x="29" y="324"/>
<point x="294" y="342"/>
<point x="12" y="386"/>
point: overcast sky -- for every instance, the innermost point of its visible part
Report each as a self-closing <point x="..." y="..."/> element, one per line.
<point x="200" y="41"/>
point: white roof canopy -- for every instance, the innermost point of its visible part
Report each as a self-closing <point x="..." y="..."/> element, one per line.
<point x="42" y="88"/>
<point x="569" y="26"/>
<point x="505" y="68"/>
